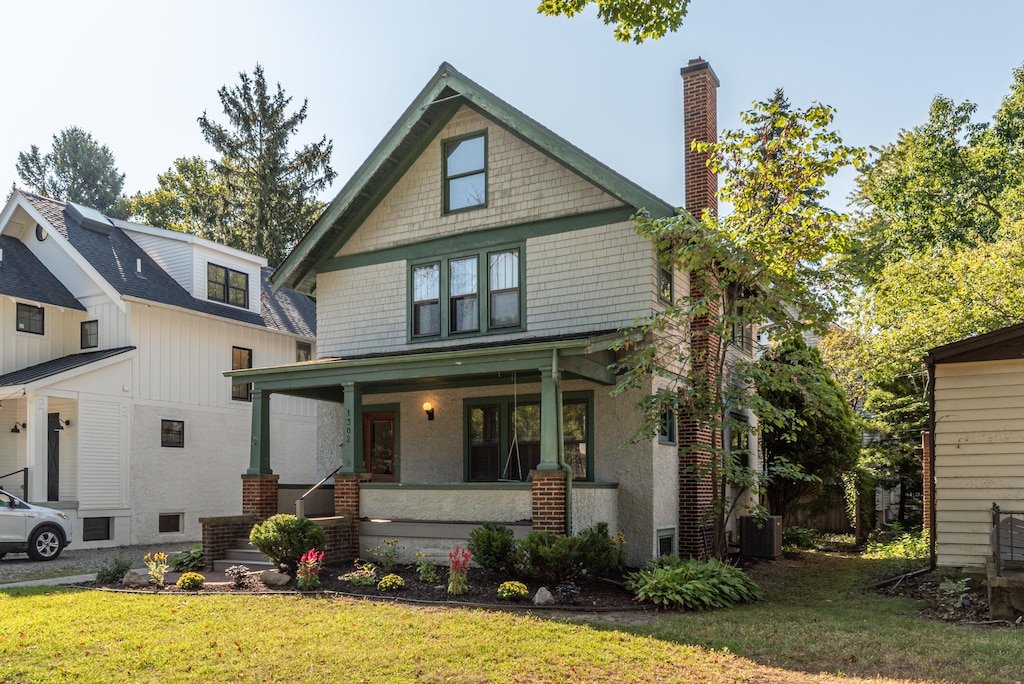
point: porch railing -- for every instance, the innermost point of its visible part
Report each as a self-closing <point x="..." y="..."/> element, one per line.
<point x="1007" y="538"/>
<point x="300" y="503"/>
<point x="23" y="472"/>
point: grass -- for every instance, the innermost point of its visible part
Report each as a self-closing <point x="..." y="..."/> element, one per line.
<point x="815" y="619"/>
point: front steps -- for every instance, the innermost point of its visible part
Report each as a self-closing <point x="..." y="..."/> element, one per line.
<point x="243" y="553"/>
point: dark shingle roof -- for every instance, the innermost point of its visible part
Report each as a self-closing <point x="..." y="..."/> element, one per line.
<point x="23" y="276"/>
<point x="56" y="366"/>
<point x="114" y="257"/>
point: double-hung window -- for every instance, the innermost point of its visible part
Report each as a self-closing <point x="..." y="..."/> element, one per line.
<point x="466" y="294"/>
<point x="227" y="285"/>
<point x="465" y="172"/>
<point x="241" y="358"/>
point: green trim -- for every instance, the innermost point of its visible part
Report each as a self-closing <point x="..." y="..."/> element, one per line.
<point x="505" y="404"/>
<point x="446" y="179"/>
<point x="486" y="238"/>
<point x="421" y="122"/>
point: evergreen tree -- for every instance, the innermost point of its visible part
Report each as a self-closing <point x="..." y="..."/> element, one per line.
<point x="77" y="169"/>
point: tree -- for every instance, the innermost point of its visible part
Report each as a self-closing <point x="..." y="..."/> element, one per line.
<point x="271" y="192"/>
<point x="77" y="169"/>
<point x="190" y="197"/>
<point x="823" y="438"/>
<point x="762" y="262"/>
<point x="634" y="20"/>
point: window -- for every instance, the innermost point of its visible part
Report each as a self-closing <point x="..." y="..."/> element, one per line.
<point x="446" y="299"/>
<point x="172" y="433"/>
<point x="739" y="444"/>
<point x="667" y="430"/>
<point x="226" y="285"/>
<point x="666" y="287"/>
<point x="742" y="333"/>
<point x="303" y="351"/>
<point x="241" y="358"/>
<point x="30" y="319"/>
<point x="170" y="522"/>
<point x="667" y="542"/>
<point x="426" y="310"/>
<point x="95" y="529"/>
<point x="465" y="174"/>
<point x="90" y="334"/>
<point x="503" y="437"/>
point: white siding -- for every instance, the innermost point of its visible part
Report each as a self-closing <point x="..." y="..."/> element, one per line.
<point x="21" y="349"/>
<point x="102" y="449"/>
<point x="205" y="255"/>
<point x="172" y="255"/>
<point x="979" y="455"/>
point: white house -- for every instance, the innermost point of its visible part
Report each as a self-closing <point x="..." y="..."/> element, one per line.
<point x="471" y="279"/>
<point x="113" y="339"/>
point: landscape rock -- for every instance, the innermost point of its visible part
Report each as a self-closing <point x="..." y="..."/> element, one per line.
<point x="543" y="597"/>
<point x="273" y="578"/>
<point x="134" y="580"/>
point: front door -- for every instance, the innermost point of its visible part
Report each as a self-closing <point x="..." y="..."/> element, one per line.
<point x="379" y="454"/>
<point x="53" y="428"/>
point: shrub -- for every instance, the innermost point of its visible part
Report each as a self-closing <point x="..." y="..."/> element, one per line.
<point x="113" y="569"/>
<point x="494" y="547"/>
<point x="512" y="591"/>
<point x="190" y="581"/>
<point x="237" y="574"/>
<point x="386" y="555"/>
<point x="800" y="537"/>
<point x="692" y="585"/>
<point x="568" y="592"/>
<point x="188" y="560"/>
<point x="391" y="583"/>
<point x="283" y="538"/>
<point x="904" y="553"/>
<point x="580" y="558"/>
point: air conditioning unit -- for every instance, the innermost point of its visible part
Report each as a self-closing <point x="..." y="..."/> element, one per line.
<point x="761" y="538"/>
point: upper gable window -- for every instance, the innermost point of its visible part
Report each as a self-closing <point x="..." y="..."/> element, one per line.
<point x="226" y="285"/>
<point x="465" y="172"/>
<point x="90" y="334"/>
<point x="30" y="319"/>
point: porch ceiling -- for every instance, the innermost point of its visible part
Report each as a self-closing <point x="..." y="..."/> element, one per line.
<point x="586" y="358"/>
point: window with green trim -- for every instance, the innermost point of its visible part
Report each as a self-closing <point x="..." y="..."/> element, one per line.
<point x="667" y="428"/>
<point x="446" y="299"/>
<point x="465" y="172"/>
<point x="503" y="437"/>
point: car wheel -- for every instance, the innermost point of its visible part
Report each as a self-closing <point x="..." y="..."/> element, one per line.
<point x="2" y="554"/>
<point x="45" y="544"/>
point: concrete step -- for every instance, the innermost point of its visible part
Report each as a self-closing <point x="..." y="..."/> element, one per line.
<point x="222" y="565"/>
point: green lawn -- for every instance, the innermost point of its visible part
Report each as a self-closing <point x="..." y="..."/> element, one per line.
<point x="815" y="620"/>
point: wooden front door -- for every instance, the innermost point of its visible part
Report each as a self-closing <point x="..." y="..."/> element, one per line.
<point x="380" y="457"/>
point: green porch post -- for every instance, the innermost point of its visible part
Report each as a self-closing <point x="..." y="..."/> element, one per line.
<point x="551" y="445"/>
<point x="259" y="451"/>
<point x="352" y="429"/>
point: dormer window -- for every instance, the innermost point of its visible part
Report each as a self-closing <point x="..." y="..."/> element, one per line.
<point x="226" y="285"/>
<point x="465" y="172"/>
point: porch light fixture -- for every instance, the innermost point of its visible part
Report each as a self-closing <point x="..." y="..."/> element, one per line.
<point x="17" y="427"/>
<point x="429" y="410"/>
<point x="61" y="424"/>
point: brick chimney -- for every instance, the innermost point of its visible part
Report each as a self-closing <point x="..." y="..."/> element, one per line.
<point x="700" y="122"/>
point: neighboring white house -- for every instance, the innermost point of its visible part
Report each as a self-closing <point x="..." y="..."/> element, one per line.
<point x="974" y="456"/>
<point x="471" y="279"/>
<point x="113" y="340"/>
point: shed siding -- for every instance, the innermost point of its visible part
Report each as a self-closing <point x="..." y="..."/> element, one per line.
<point x="979" y="454"/>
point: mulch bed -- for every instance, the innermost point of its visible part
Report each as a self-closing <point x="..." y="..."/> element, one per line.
<point x="972" y="610"/>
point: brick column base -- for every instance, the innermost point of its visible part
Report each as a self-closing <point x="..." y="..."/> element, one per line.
<point x="548" y="500"/>
<point x="259" y="495"/>
<point x="346" y="505"/>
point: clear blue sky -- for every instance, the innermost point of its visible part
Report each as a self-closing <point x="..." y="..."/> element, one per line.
<point x="138" y="74"/>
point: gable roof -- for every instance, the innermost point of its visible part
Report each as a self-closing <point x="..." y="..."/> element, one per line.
<point x="999" y="345"/>
<point x="114" y="255"/>
<point x="435" y="105"/>
<point x="41" y="371"/>
<point x="23" y="276"/>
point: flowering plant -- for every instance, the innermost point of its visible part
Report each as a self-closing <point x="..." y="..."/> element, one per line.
<point x="308" y="575"/>
<point x="391" y="583"/>
<point x="458" y="570"/>
<point x="512" y="591"/>
<point x="157" y="564"/>
<point x="426" y="568"/>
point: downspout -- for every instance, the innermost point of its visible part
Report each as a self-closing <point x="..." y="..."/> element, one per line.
<point x="932" y="557"/>
<point x="557" y="378"/>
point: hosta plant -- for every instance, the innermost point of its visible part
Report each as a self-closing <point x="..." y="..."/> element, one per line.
<point x="692" y="585"/>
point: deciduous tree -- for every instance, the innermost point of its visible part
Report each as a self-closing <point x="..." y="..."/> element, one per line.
<point x="634" y="20"/>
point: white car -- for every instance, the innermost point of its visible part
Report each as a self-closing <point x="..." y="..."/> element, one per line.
<point x="40" y="532"/>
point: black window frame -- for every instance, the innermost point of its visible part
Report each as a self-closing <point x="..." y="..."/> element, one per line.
<point x="96" y="529"/>
<point x="303" y="351"/>
<point x="172" y="433"/>
<point x="505" y="406"/>
<point x="90" y="334"/>
<point x="29" y="317"/>
<point x="226" y="288"/>
<point x="241" y="392"/>
<point x="447" y="146"/>
<point x="445" y="302"/>
<point x="163" y="518"/>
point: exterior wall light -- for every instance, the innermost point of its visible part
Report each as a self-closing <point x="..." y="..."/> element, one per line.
<point x="429" y="410"/>
<point x="17" y="427"/>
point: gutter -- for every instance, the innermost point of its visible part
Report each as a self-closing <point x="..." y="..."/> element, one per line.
<point x="932" y="556"/>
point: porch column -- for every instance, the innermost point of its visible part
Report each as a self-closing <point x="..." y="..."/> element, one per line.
<point x="551" y="444"/>
<point x="352" y="429"/>
<point x="259" y="451"/>
<point x="36" y="408"/>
